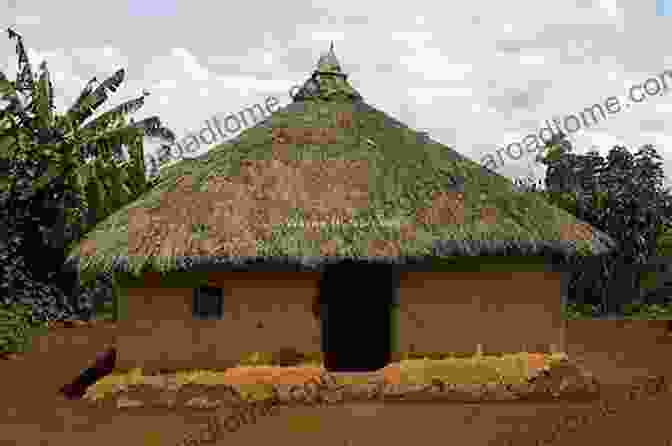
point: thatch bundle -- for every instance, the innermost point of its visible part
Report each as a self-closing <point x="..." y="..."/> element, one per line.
<point x="325" y="178"/>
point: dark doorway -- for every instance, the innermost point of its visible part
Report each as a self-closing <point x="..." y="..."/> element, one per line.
<point x="356" y="304"/>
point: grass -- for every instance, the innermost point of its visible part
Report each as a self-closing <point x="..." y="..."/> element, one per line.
<point x="107" y="313"/>
<point x="477" y="369"/>
<point x="634" y="311"/>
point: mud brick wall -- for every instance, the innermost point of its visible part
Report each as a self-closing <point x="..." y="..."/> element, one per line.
<point x="439" y="312"/>
<point x="503" y="311"/>
<point x="261" y="312"/>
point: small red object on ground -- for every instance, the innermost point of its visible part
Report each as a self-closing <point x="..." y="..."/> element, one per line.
<point x="103" y="366"/>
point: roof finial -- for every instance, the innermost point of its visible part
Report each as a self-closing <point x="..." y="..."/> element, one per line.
<point x="328" y="68"/>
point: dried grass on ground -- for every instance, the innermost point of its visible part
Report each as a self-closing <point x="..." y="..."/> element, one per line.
<point x="254" y="380"/>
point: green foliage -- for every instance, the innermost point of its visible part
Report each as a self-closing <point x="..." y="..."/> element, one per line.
<point x="580" y="311"/>
<point x="632" y="310"/>
<point x="640" y="310"/>
<point x="16" y="328"/>
<point x="664" y="242"/>
<point x="36" y="132"/>
<point x="648" y="280"/>
<point x="51" y="193"/>
<point x="562" y="200"/>
<point x="623" y="196"/>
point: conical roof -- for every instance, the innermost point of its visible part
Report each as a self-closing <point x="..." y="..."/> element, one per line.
<point x="325" y="178"/>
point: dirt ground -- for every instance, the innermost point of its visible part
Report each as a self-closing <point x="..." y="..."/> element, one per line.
<point x="618" y="353"/>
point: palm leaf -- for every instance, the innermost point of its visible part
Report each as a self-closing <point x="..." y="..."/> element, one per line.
<point x="117" y="114"/>
<point x="92" y="101"/>
<point x="93" y="202"/>
<point x="24" y="78"/>
<point x="152" y="128"/>
<point x="114" y="139"/>
<point x="103" y="208"/>
<point x="43" y="102"/>
<point x="6" y="142"/>
<point x="119" y="192"/>
<point x="65" y="144"/>
<point x="74" y="113"/>
<point x="15" y="107"/>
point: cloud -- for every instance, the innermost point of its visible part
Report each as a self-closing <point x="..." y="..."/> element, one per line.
<point x="27" y="20"/>
<point x="532" y="59"/>
<point x="663" y="108"/>
<point x="191" y="65"/>
<point x="602" y="142"/>
<point x="474" y="78"/>
<point x="107" y="59"/>
<point x="426" y="95"/>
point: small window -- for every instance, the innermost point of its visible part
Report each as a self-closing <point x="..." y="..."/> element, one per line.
<point x="208" y="302"/>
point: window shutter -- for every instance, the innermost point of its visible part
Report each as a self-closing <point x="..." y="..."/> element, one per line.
<point x="208" y="303"/>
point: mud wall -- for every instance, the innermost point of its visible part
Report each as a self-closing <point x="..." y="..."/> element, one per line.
<point x="261" y="312"/>
<point x="503" y="311"/>
<point x="439" y="312"/>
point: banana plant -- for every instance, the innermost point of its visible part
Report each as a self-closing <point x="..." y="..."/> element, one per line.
<point x="34" y="130"/>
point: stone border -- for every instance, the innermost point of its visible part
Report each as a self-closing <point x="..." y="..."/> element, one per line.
<point x="561" y="382"/>
<point x="548" y="384"/>
<point x="327" y="391"/>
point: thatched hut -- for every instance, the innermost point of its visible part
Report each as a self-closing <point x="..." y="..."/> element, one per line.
<point x="333" y="227"/>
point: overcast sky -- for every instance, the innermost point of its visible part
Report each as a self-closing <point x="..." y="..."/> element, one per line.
<point x="476" y="77"/>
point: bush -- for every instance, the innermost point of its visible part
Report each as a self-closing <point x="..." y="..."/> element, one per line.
<point x="580" y="311"/>
<point x="633" y="310"/>
<point x="98" y="293"/>
<point x="640" y="310"/>
<point x="19" y="286"/>
<point x="16" y="328"/>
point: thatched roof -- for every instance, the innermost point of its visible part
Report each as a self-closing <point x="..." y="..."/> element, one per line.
<point x="329" y="177"/>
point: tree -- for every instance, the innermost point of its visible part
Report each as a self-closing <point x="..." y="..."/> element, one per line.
<point x="47" y="186"/>
<point x="622" y="196"/>
<point x="563" y="188"/>
<point x="18" y="284"/>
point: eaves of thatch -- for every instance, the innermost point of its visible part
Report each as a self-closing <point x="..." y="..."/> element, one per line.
<point x="325" y="178"/>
